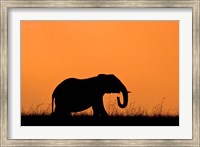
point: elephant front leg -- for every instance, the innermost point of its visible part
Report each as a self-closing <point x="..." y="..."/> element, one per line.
<point x="98" y="108"/>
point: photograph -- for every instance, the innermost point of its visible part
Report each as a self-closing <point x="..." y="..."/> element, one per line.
<point x="99" y="73"/>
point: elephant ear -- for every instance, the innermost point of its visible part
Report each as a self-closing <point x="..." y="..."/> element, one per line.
<point x="103" y="81"/>
<point x="106" y="82"/>
<point x="100" y="79"/>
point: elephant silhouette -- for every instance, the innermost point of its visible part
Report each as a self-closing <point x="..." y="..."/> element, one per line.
<point x="74" y="95"/>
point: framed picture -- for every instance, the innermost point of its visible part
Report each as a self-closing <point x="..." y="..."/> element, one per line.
<point x="93" y="73"/>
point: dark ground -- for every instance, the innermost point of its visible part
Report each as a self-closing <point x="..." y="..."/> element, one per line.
<point x="47" y="120"/>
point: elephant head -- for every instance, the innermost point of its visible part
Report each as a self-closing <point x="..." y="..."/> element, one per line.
<point x="111" y="84"/>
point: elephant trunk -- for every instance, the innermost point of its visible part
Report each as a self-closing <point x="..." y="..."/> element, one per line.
<point x="125" y="98"/>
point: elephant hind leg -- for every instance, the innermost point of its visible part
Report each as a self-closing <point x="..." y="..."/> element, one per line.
<point x="61" y="113"/>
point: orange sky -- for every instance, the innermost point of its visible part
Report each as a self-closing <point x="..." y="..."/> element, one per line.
<point x="144" y="55"/>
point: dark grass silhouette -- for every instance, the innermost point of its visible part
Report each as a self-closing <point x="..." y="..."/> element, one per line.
<point x="48" y="120"/>
<point x="139" y="117"/>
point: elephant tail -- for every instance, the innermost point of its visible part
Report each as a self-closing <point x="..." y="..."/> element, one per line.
<point x="52" y="103"/>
